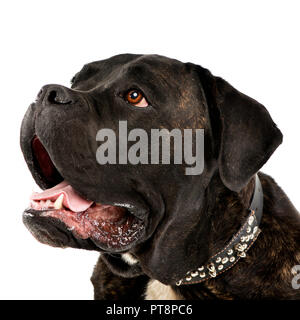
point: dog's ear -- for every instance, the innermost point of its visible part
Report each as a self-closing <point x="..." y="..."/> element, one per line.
<point x="247" y="134"/>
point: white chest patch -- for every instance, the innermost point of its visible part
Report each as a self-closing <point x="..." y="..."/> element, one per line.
<point x="128" y="258"/>
<point x="159" y="291"/>
<point x="155" y="290"/>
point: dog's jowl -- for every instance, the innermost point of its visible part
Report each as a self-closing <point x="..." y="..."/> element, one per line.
<point x="227" y="231"/>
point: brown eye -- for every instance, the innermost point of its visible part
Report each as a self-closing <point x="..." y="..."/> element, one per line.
<point x="136" y="98"/>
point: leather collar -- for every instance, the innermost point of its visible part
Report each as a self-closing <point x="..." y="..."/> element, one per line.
<point x="237" y="246"/>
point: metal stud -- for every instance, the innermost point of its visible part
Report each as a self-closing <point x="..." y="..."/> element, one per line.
<point x="213" y="274"/>
<point x="211" y="267"/>
<point x="201" y="268"/>
<point x="189" y="278"/>
<point x="239" y="247"/>
<point x="250" y="220"/>
<point x="220" y="267"/>
<point x="251" y="236"/>
<point x="244" y="238"/>
<point x="241" y="254"/>
<point x="218" y="260"/>
<point x="194" y="274"/>
<point x="224" y="260"/>
<point x="255" y="230"/>
<point x="202" y="274"/>
<point x="230" y="252"/>
<point x="178" y="283"/>
<point x="248" y="229"/>
<point x="245" y="246"/>
<point x="232" y="259"/>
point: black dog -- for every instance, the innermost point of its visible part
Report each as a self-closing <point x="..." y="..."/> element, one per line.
<point x="162" y="233"/>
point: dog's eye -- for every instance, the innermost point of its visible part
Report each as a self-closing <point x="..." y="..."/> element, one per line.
<point x="136" y="98"/>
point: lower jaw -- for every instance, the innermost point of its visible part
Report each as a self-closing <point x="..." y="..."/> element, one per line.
<point x="111" y="236"/>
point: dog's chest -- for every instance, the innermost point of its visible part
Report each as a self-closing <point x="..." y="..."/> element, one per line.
<point x="158" y="291"/>
<point x="155" y="290"/>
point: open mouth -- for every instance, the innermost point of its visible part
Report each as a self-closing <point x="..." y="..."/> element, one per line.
<point x="110" y="227"/>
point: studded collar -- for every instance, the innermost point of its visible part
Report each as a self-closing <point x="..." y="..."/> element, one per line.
<point x="237" y="246"/>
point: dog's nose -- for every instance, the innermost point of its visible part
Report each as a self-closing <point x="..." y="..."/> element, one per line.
<point x="55" y="94"/>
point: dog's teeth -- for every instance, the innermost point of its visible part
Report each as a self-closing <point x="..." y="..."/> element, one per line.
<point x="48" y="203"/>
<point x="33" y="204"/>
<point x="58" y="204"/>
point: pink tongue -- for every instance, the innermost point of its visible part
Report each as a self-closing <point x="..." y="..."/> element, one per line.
<point x="72" y="200"/>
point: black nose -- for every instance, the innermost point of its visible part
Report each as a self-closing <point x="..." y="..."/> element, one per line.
<point x="55" y="94"/>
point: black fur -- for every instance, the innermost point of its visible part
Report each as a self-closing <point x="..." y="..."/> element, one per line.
<point x="187" y="218"/>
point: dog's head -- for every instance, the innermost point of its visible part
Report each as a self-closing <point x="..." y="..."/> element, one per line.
<point x="154" y="211"/>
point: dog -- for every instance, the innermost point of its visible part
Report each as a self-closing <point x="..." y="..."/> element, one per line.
<point x="227" y="233"/>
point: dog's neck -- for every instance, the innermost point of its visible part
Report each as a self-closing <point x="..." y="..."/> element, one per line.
<point x="273" y="255"/>
<point x="227" y="210"/>
<point x="227" y="257"/>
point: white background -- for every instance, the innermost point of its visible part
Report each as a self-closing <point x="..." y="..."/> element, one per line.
<point x="252" y="44"/>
